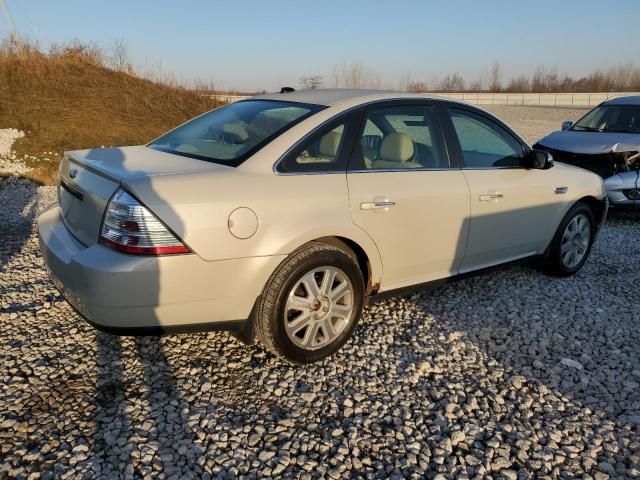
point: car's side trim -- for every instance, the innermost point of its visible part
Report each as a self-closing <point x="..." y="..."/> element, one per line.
<point x="514" y="167"/>
<point x="377" y="297"/>
<point x="381" y="170"/>
<point x="425" y="169"/>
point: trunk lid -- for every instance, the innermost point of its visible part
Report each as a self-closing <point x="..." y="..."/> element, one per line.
<point x="88" y="179"/>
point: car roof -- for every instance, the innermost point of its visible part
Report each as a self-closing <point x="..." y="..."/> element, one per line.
<point x="626" y="100"/>
<point x="331" y="96"/>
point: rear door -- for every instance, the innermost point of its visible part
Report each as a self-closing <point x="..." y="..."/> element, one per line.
<point x="511" y="206"/>
<point x="406" y="195"/>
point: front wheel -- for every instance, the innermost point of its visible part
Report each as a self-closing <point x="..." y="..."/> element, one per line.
<point x="572" y="242"/>
<point x="311" y="303"/>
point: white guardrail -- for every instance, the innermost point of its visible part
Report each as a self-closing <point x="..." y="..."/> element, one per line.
<point x="542" y="99"/>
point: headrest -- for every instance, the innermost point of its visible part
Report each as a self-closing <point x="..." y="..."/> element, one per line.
<point x="396" y="147"/>
<point x="237" y="132"/>
<point x="265" y="123"/>
<point x="329" y="144"/>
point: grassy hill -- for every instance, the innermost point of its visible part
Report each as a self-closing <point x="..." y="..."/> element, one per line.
<point x="68" y="99"/>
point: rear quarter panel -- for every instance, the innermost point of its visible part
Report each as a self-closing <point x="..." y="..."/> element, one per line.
<point x="291" y="211"/>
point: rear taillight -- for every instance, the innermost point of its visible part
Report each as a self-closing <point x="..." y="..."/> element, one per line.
<point x="130" y="227"/>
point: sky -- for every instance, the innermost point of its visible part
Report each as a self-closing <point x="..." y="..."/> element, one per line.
<point x="255" y="45"/>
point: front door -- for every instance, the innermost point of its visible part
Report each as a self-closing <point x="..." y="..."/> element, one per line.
<point x="511" y="206"/>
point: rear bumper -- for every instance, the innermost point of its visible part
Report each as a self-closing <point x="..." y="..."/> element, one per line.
<point x="128" y="294"/>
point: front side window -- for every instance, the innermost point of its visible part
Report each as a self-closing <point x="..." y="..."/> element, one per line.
<point x="610" y="118"/>
<point x="230" y="134"/>
<point x="484" y="143"/>
<point x="401" y="137"/>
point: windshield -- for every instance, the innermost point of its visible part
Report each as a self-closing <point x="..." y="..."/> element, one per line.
<point x="231" y="134"/>
<point x="611" y="118"/>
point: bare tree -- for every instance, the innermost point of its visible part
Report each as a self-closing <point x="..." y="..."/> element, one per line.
<point x="623" y="78"/>
<point x="311" y="82"/>
<point x="475" y="86"/>
<point x="405" y="82"/>
<point x="355" y="75"/>
<point x="494" y="77"/>
<point x="119" y="56"/>
<point x="7" y="15"/>
<point x="520" y="84"/>
<point x="452" y="83"/>
<point x="418" y="87"/>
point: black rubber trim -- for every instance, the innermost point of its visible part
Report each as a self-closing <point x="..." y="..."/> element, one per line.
<point x="226" y="326"/>
<point x="398" y="292"/>
<point x="72" y="190"/>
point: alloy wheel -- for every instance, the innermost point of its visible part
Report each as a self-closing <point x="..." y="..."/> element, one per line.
<point x="575" y="241"/>
<point x="319" y="307"/>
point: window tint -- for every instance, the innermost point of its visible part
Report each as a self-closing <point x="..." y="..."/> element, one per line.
<point x="321" y="153"/>
<point x="230" y="134"/>
<point x="484" y="143"/>
<point x="403" y="137"/>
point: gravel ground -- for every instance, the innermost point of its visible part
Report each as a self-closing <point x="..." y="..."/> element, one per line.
<point x="533" y="123"/>
<point x="510" y="375"/>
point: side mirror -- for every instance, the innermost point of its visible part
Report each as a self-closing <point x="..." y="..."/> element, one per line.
<point x="567" y="124"/>
<point x="539" y="160"/>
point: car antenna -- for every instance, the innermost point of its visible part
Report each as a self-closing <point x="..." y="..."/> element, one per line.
<point x="287" y="90"/>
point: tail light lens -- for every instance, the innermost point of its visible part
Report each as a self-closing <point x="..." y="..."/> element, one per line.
<point x="130" y="227"/>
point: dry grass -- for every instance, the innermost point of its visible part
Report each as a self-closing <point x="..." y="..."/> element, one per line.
<point x="67" y="99"/>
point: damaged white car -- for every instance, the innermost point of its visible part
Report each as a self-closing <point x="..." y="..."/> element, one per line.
<point x="605" y="141"/>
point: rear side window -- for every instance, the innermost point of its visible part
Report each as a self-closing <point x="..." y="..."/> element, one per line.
<point x="230" y="134"/>
<point x="400" y="138"/>
<point x="484" y="143"/>
<point x="325" y="151"/>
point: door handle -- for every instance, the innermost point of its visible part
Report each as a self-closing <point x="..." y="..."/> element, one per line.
<point x="491" y="196"/>
<point x="376" y="205"/>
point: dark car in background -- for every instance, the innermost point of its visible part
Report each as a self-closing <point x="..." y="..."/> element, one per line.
<point x="605" y="141"/>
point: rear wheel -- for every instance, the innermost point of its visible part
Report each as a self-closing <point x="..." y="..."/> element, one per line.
<point x="311" y="303"/>
<point x="572" y="242"/>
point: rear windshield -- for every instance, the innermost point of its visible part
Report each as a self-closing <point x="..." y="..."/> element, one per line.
<point x="611" y="118"/>
<point x="230" y="134"/>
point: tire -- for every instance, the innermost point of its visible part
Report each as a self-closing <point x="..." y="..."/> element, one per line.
<point x="279" y="324"/>
<point x="559" y="260"/>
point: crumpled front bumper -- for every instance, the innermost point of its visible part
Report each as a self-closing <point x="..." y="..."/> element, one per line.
<point x="618" y="187"/>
